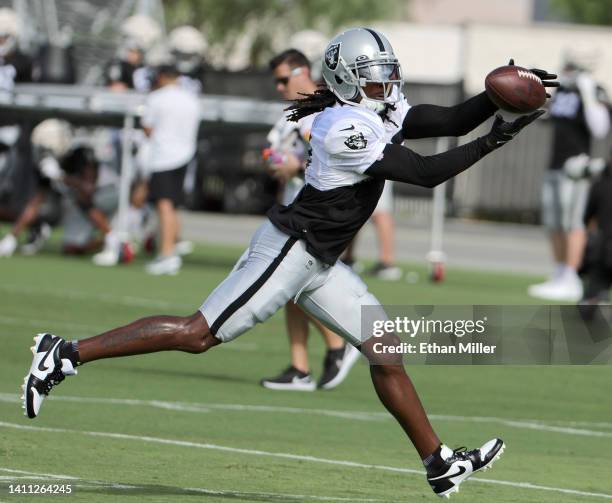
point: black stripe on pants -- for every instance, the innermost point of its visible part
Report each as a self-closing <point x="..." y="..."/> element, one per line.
<point x="253" y="289"/>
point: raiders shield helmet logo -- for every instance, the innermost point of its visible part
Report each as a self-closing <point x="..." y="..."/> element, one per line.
<point x="356" y="142"/>
<point x="332" y="55"/>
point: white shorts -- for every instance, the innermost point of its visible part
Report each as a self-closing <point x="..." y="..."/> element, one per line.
<point x="276" y="269"/>
<point x="563" y="201"/>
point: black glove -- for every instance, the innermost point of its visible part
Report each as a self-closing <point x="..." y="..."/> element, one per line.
<point x="502" y="132"/>
<point x="548" y="79"/>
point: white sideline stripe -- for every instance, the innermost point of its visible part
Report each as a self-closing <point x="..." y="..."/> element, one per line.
<point x="530" y="425"/>
<point x="38" y="474"/>
<point x="98" y="483"/>
<point x="207" y="407"/>
<point x="355" y="415"/>
<point x="295" y="457"/>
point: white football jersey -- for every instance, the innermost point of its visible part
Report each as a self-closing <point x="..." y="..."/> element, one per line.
<point x="346" y="140"/>
<point x="291" y="137"/>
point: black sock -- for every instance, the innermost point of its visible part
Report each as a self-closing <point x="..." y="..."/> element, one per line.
<point x="434" y="461"/>
<point x="336" y="352"/>
<point x="70" y="351"/>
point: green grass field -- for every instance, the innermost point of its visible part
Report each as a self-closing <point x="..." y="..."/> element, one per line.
<point x="178" y="427"/>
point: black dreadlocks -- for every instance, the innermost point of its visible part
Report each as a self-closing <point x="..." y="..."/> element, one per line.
<point x="311" y="103"/>
<point x="320" y="100"/>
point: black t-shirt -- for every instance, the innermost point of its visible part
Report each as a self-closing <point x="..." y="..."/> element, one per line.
<point x="137" y="77"/>
<point x="571" y="135"/>
<point x="328" y="220"/>
<point x="15" y="67"/>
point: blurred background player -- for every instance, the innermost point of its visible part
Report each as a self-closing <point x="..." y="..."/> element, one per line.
<point x="578" y="115"/>
<point x="69" y="189"/>
<point x="15" y="67"/>
<point x="128" y="69"/>
<point x="139" y="35"/>
<point x="91" y="198"/>
<point x="597" y="264"/>
<point x="171" y="121"/>
<point x="188" y="46"/>
<point x="51" y="140"/>
<point x="286" y="161"/>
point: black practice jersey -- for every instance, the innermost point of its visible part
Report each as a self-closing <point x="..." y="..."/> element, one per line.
<point x="137" y="77"/>
<point x="571" y="135"/>
<point x="15" y="67"/>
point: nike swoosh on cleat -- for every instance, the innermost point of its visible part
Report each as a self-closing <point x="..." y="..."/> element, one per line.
<point x="349" y="128"/>
<point x="41" y="365"/>
<point x="462" y="470"/>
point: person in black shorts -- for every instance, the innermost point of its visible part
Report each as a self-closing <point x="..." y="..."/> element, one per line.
<point x="171" y="121"/>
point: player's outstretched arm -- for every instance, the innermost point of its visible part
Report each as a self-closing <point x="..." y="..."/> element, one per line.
<point x="404" y="165"/>
<point x="429" y="121"/>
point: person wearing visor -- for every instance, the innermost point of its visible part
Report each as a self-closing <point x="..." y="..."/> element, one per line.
<point x="355" y="142"/>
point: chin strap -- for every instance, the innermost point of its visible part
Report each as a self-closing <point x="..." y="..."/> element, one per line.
<point x="375" y="106"/>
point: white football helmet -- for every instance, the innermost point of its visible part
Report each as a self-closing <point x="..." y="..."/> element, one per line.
<point x="9" y="31"/>
<point x="140" y="32"/>
<point x="188" y="46"/>
<point x="356" y="58"/>
<point x="187" y="40"/>
<point x="53" y="135"/>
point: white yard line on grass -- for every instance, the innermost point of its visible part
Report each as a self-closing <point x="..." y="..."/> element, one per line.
<point x="83" y="483"/>
<point x="38" y="474"/>
<point x="294" y="457"/>
<point x="530" y="424"/>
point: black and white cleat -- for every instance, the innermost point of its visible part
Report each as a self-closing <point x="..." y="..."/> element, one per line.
<point x="47" y="371"/>
<point x="461" y="464"/>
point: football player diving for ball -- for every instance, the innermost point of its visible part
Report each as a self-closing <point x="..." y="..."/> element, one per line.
<point x="356" y="146"/>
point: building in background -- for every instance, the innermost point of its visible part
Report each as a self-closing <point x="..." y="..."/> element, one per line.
<point x="516" y="12"/>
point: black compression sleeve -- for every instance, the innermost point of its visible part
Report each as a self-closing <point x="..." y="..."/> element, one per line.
<point x="427" y="121"/>
<point x="403" y="165"/>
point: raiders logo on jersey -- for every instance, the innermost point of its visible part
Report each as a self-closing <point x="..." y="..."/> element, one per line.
<point x="332" y="55"/>
<point x="356" y="142"/>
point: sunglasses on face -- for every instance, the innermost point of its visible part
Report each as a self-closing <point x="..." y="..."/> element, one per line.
<point x="285" y="80"/>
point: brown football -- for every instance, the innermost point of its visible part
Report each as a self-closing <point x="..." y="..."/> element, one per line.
<point x="515" y="89"/>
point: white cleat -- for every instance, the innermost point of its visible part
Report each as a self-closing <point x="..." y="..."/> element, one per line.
<point x="183" y="248"/>
<point x="461" y="464"/>
<point x="165" y="266"/>
<point x="8" y="245"/>
<point x="47" y="370"/>
<point x="565" y="289"/>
